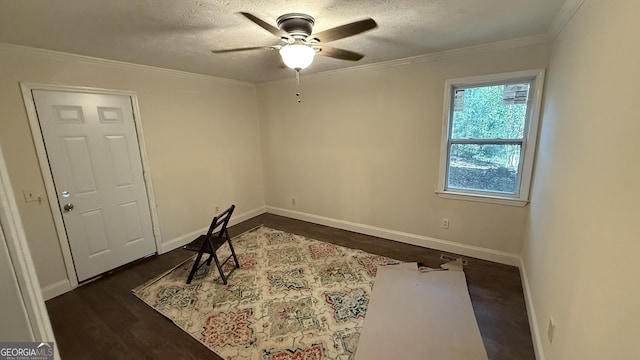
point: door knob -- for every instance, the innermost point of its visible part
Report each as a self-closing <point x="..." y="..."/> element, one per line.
<point x="68" y="207"/>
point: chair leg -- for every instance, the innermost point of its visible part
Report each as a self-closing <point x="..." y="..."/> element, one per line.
<point x="209" y="260"/>
<point x="194" y="268"/>
<point x="215" y="258"/>
<point x="233" y="252"/>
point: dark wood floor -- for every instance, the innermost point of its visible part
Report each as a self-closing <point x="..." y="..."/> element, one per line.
<point x="103" y="320"/>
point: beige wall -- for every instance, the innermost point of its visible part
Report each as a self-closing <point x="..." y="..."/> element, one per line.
<point x="364" y="146"/>
<point x="582" y="243"/>
<point x="202" y="137"/>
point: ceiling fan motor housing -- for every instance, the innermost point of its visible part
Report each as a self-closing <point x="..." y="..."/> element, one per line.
<point x="298" y="25"/>
<point x="298" y="46"/>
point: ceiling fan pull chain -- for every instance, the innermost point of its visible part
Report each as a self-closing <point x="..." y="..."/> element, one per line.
<point x="298" y="85"/>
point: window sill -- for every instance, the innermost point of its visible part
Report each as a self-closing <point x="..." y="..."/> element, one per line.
<point x="482" y="198"/>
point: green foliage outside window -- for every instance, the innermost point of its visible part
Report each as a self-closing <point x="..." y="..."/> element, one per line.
<point x="487" y="113"/>
<point x="485" y="116"/>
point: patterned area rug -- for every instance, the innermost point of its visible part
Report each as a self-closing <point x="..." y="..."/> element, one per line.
<point x="293" y="298"/>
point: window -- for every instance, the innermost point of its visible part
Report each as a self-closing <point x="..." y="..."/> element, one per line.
<point x="488" y="137"/>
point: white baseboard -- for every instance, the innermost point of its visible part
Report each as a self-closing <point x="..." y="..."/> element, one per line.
<point x="403" y="237"/>
<point x="185" y="239"/>
<point x="437" y="244"/>
<point x="63" y="286"/>
<point x="56" y="289"/>
<point x="531" y="312"/>
<point x="247" y="215"/>
<point x="180" y="241"/>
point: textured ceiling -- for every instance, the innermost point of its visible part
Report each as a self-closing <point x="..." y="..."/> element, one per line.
<point x="179" y="34"/>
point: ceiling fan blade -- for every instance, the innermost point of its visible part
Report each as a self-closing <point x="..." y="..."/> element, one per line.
<point x="242" y="49"/>
<point x="265" y="25"/>
<point x="345" y="30"/>
<point x="339" y="53"/>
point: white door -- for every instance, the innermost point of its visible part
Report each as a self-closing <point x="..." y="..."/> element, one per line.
<point x="95" y="161"/>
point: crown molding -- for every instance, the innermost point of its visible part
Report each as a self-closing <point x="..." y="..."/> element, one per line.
<point x="468" y="50"/>
<point x="563" y="17"/>
<point x="58" y="55"/>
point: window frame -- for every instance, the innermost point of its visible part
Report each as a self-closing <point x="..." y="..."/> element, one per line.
<point x="528" y="147"/>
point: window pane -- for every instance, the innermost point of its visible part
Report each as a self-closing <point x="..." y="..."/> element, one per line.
<point x="484" y="167"/>
<point x="490" y="112"/>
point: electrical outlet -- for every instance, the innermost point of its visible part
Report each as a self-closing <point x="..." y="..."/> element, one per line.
<point x="293" y="201"/>
<point x="453" y="258"/>
<point x="445" y="223"/>
<point x="551" y="328"/>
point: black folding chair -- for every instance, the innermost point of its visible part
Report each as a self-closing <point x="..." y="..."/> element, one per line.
<point x="211" y="242"/>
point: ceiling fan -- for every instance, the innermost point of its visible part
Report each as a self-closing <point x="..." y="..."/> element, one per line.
<point x="298" y="45"/>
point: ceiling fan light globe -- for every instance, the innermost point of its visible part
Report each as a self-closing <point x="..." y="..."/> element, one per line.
<point x="297" y="56"/>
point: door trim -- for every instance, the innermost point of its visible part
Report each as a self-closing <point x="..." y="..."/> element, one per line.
<point x="12" y="230"/>
<point x="47" y="176"/>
